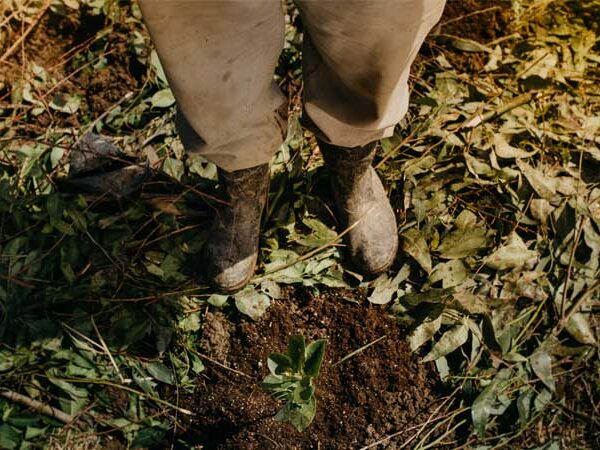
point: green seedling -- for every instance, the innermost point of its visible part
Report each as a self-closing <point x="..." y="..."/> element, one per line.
<point x="291" y="380"/>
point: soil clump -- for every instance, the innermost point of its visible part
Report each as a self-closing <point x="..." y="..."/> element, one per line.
<point x="381" y="390"/>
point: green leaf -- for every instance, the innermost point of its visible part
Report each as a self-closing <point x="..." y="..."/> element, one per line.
<point x="252" y="303"/>
<point x="33" y="432"/>
<point x="424" y="332"/>
<point x="157" y="66"/>
<point x="74" y="392"/>
<point x="542" y="400"/>
<point x="278" y="363"/>
<point x="147" y="437"/>
<point x="579" y="327"/>
<point x="451" y="273"/>
<point x="512" y="255"/>
<point x="541" y="363"/>
<point x="306" y="394"/>
<point x="524" y="403"/>
<point x="297" y="351"/>
<point x="314" y="355"/>
<point x="163" y="99"/>
<point x="160" y="372"/>
<point x="65" y="103"/>
<point x="462" y="243"/>
<point x="218" y="300"/>
<point x="386" y="287"/>
<point x="272" y="382"/>
<point x="299" y="415"/>
<point x="450" y="341"/>
<point x="414" y="243"/>
<point x="483" y="406"/>
<point x="9" y="437"/>
<point x="174" y="168"/>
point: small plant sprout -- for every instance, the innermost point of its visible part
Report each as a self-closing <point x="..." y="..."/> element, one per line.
<point x="291" y="380"/>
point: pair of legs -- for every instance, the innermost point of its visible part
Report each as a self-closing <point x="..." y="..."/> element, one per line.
<point x="220" y="55"/>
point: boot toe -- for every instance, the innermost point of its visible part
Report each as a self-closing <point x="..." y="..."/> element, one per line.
<point x="375" y="257"/>
<point x="374" y="241"/>
<point x="232" y="278"/>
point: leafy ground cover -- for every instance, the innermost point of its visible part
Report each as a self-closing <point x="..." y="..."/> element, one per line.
<point x="109" y="333"/>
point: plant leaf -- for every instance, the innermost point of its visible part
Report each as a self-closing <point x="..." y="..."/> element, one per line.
<point x="252" y="303"/>
<point x="300" y="416"/>
<point x="450" y="341"/>
<point x="163" y="98"/>
<point x="160" y="372"/>
<point x="314" y="355"/>
<point x="279" y="363"/>
<point x="483" y="406"/>
<point x="424" y="332"/>
<point x="415" y="245"/>
<point x="297" y="351"/>
<point x="462" y="243"/>
<point x="541" y="363"/>
<point x="579" y="327"/>
<point x="512" y="255"/>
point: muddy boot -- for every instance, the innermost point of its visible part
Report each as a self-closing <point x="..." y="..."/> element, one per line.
<point x="231" y="252"/>
<point x="362" y="204"/>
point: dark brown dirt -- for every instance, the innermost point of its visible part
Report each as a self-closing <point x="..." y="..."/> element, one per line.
<point x="479" y="20"/>
<point x="380" y="391"/>
<point x="60" y="44"/>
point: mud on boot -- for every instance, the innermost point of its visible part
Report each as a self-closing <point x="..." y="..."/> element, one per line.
<point x="231" y="253"/>
<point x="362" y="204"/>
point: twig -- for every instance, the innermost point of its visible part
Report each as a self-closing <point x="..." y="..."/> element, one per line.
<point x="38" y="406"/>
<point x="465" y="16"/>
<point x="429" y="420"/>
<point x="106" y="350"/>
<point x="432" y="419"/>
<point x="71" y="331"/>
<point x="437" y="442"/>
<point x="359" y="350"/>
<point x="124" y="388"/>
<point x="481" y="118"/>
<point x="221" y="365"/>
<point x="575" y="307"/>
<point x="12" y="15"/>
<point x="18" y="42"/>
<point x="16" y="281"/>
<point x="576" y="239"/>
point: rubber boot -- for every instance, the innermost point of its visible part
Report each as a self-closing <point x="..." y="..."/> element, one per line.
<point x="362" y="205"/>
<point x="231" y="253"/>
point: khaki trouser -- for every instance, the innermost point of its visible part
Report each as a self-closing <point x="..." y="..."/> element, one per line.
<point x="220" y="55"/>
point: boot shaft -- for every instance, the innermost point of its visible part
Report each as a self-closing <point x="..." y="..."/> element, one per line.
<point x="348" y="163"/>
<point x="246" y="184"/>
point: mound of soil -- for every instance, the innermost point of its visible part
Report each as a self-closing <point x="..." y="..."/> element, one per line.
<point x="59" y="44"/>
<point x="480" y="20"/>
<point x="382" y="390"/>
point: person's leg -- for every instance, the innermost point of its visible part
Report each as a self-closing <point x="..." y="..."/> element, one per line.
<point x="357" y="58"/>
<point x="219" y="57"/>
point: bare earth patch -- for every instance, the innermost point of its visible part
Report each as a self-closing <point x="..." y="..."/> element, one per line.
<point x="382" y="390"/>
